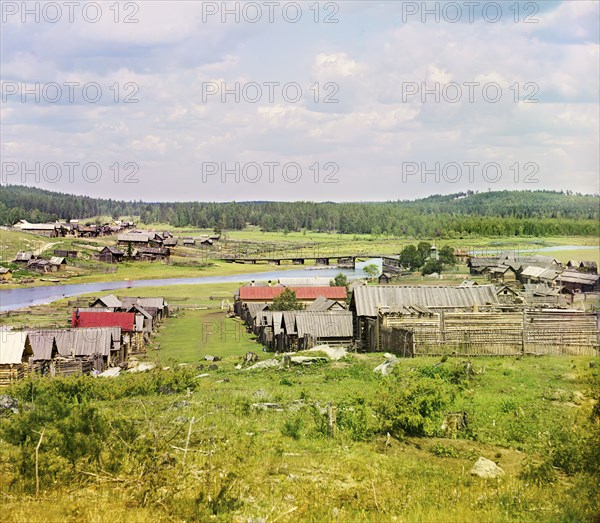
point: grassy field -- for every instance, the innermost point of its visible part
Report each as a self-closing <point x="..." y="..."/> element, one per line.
<point x="533" y="417"/>
<point x="193" y="334"/>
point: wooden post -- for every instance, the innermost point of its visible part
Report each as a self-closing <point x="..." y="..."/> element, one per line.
<point x="187" y="440"/>
<point x="331" y="419"/>
<point x="37" y="464"/>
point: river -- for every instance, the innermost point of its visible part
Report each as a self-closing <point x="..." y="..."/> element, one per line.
<point x="13" y="299"/>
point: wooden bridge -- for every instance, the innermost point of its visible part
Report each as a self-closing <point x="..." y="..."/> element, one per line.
<point x="343" y="261"/>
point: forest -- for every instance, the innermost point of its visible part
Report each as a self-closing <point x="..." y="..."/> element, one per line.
<point x="494" y="213"/>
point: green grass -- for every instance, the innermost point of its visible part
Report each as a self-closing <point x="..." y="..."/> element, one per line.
<point x="193" y="334"/>
<point x="246" y="464"/>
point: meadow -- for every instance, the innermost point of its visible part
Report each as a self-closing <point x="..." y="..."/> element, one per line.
<point x="198" y="444"/>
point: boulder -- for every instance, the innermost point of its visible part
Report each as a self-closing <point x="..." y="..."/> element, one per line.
<point x="111" y="373"/>
<point x="332" y="353"/>
<point x="307" y="360"/>
<point x="249" y="358"/>
<point x="9" y="403"/>
<point x="142" y="367"/>
<point x="264" y="364"/>
<point x="486" y="468"/>
<point x="267" y="406"/>
<point x="387" y="366"/>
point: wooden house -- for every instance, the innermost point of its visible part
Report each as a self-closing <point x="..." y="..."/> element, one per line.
<point x="157" y="307"/>
<point x="15" y="352"/>
<point x="504" y="274"/>
<point x="23" y="257"/>
<point x="5" y="274"/>
<point x="579" y="281"/>
<point x="111" y="255"/>
<point x="534" y="274"/>
<point x="50" y="230"/>
<point x="322" y="304"/>
<point x="107" y="302"/>
<point x="152" y="253"/>
<point x="45" y="350"/>
<point x="58" y="262"/>
<point x="305" y="295"/>
<point x="384" y="278"/>
<point x="367" y="300"/>
<point x="583" y="266"/>
<point x="83" y="349"/>
<point x="65" y="253"/>
<point x="507" y="294"/>
<point x="88" y="231"/>
<point x="329" y="327"/>
<point x="42" y="266"/>
<point x="135" y="239"/>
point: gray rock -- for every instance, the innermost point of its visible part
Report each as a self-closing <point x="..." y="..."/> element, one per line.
<point x="267" y="406"/>
<point x="9" y="403"/>
<point x="387" y="366"/>
<point x="264" y="364"/>
<point x="486" y="468"/>
<point x="307" y="360"/>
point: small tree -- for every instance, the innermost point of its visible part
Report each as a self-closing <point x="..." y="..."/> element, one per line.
<point x="424" y="249"/>
<point x="371" y="270"/>
<point x="410" y="258"/>
<point x="432" y="266"/>
<point x="286" y="301"/>
<point x="339" y="281"/>
<point x="446" y="255"/>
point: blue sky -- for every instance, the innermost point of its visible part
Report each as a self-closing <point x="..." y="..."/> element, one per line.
<point x="377" y="139"/>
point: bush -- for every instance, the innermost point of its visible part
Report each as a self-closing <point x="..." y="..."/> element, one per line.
<point x="538" y="473"/>
<point x="292" y="427"/>
<point x="412" y="406"/>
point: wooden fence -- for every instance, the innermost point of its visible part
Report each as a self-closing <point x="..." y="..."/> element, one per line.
<point x="488" y="333"/>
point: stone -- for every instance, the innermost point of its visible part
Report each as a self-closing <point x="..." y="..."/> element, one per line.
<point x="267" y="406"/>
<point x="486" y="468"/>
<point x="110" y="373"/>
<point x="142" y="367"/>
<point x="386" y="368"/>
<point x="9" y="403"/>
<point x="307" y="360"/>
<point x="250" y="357"/>
<point x="264" y="364"/>
<point x="331" y="352"/>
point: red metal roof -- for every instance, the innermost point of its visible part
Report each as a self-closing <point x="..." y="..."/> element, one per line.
<point x="302" y="293"/>
<point x="125" y="320"/>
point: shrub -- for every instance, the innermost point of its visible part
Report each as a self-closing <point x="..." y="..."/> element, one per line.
<point x="292" y="427"/>
<point x="412" y="406"/>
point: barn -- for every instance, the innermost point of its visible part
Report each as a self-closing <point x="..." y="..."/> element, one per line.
<point x="15" y="353"/>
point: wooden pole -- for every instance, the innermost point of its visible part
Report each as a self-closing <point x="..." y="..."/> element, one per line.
<point x="37" y="464"/>
<point x="187" y="440"/>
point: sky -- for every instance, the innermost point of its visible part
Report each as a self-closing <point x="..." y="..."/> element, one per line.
<point x="323" y="101"/>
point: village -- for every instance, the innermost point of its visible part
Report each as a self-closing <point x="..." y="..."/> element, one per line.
<point x="510" y="304"/>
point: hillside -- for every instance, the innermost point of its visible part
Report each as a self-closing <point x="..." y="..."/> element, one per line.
<point x="501" y="213"/>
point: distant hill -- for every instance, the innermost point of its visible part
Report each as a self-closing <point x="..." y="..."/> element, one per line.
<point x="498" y="213"/>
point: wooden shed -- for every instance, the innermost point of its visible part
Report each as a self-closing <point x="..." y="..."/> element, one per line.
<point x="111" y="255"/>
<point x="15" y="352"/>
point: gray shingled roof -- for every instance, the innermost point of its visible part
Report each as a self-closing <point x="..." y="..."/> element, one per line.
<point x="333" y="324"/>
<point x="366" y="299"/>
<point x="87" y="341"/>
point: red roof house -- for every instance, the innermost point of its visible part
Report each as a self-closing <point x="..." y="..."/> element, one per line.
<point x="308" y="293"/>
<point x="125" y="320"/>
